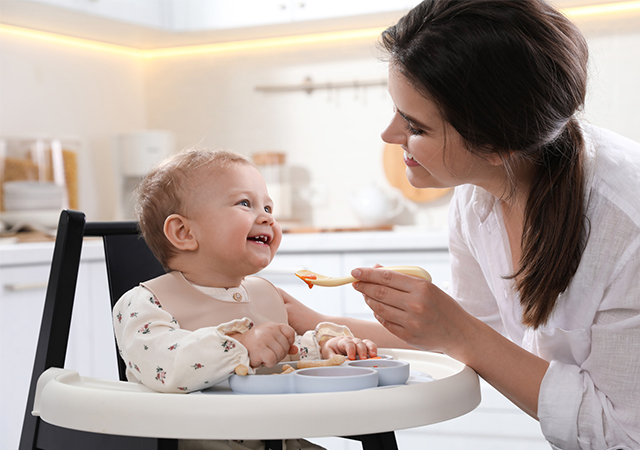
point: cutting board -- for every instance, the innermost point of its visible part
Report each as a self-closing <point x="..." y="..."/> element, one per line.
<point x="394" y="169"/>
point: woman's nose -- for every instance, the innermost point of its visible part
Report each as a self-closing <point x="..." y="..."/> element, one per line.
<point x="393" y="133"/>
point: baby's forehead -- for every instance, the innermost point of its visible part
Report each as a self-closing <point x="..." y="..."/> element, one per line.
<point x="212" y="177"/>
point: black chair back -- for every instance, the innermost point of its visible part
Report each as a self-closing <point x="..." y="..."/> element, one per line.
<point x="129" y="261"/>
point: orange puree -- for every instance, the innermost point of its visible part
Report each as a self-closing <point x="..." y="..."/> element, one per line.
<point x="306" y="279"/>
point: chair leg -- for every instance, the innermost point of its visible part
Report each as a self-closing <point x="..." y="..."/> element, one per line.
<point x="377" y="441"/>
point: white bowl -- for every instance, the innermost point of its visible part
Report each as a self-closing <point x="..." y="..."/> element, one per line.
<point x="334" y="379"/>
<point x="390" y="372"/>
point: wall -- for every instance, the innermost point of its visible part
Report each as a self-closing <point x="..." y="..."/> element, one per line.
<point x="614" y="93"/>
<point x="59" y="91"/>
<point x="331" y="137"/>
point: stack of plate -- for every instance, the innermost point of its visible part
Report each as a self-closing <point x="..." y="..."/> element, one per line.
<point x="32" y="203"/>
<point x="32" y="195"/>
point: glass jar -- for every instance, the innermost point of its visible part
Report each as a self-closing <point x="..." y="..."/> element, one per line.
<point x="38" y="174"/>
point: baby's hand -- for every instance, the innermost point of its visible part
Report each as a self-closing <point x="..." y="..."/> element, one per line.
<point x="350" y="347"/>
<point x="268" y="343"/>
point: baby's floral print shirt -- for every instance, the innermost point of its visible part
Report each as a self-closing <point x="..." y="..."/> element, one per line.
<point x="166" y="358"/>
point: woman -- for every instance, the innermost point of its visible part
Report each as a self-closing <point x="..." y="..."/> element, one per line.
<point x="544" y="223"/>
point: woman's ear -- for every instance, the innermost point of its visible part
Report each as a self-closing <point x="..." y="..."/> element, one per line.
<point x="500" y="159"/>
<point x="178" y="231"/>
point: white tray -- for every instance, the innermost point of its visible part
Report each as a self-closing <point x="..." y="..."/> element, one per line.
<point x="66" y="399"/>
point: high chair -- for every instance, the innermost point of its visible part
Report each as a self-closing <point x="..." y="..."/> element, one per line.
<point x="129" y="261"/>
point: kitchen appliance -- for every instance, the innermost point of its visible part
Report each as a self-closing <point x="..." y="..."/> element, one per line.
<point x="135" y="154"/>
<point x="272" y="166"/>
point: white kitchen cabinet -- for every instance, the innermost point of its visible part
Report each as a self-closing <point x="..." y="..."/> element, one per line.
<point x="203" y="15"/>
<point x="226" y="14"/>
<point x="141" y="12"/>
<point x="24" y="272"/>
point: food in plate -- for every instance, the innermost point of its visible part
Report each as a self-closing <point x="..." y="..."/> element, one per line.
<point x="335" y="360"/>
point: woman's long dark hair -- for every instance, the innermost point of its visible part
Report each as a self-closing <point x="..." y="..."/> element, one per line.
<point x="509" y="75"/>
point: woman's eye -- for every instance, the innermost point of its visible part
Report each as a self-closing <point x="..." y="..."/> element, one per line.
<point x="413" y="130"/>
<point x="268" y="209"/>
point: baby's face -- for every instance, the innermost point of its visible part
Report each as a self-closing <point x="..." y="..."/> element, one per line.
<point x="232" y="217"/>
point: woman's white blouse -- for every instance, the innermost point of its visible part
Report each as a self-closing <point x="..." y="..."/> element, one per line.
<point x="590" y="395"/>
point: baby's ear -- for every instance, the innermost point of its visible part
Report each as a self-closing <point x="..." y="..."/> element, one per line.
<point x="177" y="229"/>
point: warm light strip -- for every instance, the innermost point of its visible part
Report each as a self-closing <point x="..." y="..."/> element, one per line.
<point x="267" y="43"/>
<point x="603" y="9"/>
<point x="260" y="44"/>
<point x="71" y="41"/>
<point x="256" y="44"/>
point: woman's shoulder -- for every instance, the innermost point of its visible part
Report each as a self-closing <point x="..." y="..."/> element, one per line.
<point x="613" y="163"/>
<point x="610" y="155"/>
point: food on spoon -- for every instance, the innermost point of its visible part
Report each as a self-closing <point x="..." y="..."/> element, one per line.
<point x="335" y="360"/>
<point x="312" y="278"/>
<point x="306" y="275"/>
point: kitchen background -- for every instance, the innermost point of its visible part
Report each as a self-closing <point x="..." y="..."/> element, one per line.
<point x="330" y="136"/>
<point x="100" y="98"/>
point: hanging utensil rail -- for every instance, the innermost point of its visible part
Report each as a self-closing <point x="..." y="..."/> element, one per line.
<point x="309" y="86"/>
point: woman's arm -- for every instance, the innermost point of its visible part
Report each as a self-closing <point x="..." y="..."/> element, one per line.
<point x="414" y="313"/>
<point x="422" y="315"/>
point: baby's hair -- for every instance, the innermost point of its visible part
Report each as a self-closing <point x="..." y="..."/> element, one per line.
<point x="166" y="190"/>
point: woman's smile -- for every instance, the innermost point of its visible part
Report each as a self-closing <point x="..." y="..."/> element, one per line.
<point x="409" y="161"/>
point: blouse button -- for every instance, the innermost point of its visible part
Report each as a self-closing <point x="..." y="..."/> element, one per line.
<point x="237" y="297"/>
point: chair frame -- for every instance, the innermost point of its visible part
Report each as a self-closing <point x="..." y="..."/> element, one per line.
<point x="56" y="322"/>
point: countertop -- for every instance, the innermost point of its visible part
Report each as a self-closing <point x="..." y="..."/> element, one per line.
<point x="12" y="254"/>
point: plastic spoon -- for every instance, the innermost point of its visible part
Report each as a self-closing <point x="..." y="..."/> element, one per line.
<point x="312" y="278"/>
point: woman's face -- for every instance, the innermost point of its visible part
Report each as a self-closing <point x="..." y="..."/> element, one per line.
<point x="434" y="152"/>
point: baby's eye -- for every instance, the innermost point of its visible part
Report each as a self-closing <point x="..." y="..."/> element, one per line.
<point x="246" y="203"/>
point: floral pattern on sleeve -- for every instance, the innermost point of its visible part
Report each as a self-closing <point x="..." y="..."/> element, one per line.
<point x="166" y="358"/>
<point x="309" y="343"/>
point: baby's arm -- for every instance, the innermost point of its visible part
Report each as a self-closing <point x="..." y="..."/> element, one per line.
<point x="166" y="358"/>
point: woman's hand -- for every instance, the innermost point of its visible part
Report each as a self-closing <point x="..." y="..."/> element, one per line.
<point x="413" y="309"/>
<point x="268" y="343"/>
<point x="351" y="347"/>
<point x="301" y="317"/>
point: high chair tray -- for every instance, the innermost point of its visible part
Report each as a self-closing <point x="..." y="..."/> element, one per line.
<point x="66" y="399"/>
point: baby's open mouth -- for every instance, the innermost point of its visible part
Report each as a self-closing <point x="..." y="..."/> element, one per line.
<point x="261" y="238"/>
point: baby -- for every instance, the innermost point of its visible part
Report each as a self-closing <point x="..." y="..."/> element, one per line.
<point x="208" y="218"/>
